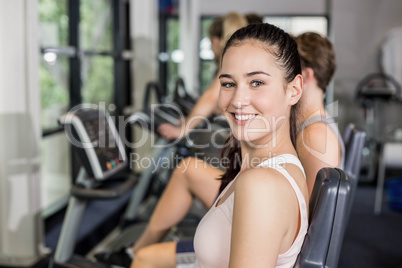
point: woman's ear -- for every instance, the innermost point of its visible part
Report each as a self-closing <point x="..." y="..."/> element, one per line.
<point x="296" y="89"/>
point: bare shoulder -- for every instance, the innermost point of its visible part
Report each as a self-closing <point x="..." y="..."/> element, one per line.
<point x="313" y="131"/>
<point x="265" y="209"/>
<point x="319" y="137"/>
<point x="262" y="195"/>
<point x="261" y="180"/>
<point x="319" y="141"/>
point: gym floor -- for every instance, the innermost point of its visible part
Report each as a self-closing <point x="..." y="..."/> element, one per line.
<point x="372" y="241"/>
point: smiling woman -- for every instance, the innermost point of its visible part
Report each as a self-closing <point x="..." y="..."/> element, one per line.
<point x="261" y="83"/>
<point x="246" y="82"/>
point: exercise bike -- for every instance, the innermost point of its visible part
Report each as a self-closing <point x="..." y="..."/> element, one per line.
<point x="100" y="149"/>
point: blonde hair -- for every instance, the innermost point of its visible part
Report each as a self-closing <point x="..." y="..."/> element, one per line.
<point x="231" y="23"/>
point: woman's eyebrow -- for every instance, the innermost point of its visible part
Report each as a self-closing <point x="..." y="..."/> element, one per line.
<point x="257" y="72"/>
<point x="225" y="76"/>
<point x="247" y="75"/>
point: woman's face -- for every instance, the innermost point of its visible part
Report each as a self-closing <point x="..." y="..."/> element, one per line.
<point x="253" y="94"/>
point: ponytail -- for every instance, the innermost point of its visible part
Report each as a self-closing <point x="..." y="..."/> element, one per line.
<point x="232" y="153"/>
<point x="292" y="123"/>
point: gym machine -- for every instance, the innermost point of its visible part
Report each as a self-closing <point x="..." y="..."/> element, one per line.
<point x="372" y="89"/>
<point x="100" y="149"/>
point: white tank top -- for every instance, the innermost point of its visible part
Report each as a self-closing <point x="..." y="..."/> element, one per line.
<point x="212" y="237"/>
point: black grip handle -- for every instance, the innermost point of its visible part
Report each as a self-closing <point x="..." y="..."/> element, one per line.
<point x="85" y="193"/>
<point x="147" y="98"/>
<point x="180" y="85"/>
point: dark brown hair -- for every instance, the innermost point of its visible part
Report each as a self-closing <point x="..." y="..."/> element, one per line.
<point x="284" y="49"/>
<point x="253" y="18"/>
<point x="216" y="28"/>
<point x="317" y="53"/>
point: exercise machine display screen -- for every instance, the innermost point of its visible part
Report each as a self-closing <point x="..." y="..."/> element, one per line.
<point x="104" y="143"/>
<point x="97" y="142"/>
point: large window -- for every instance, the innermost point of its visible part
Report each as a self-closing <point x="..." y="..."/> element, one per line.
<point x="169" y="54"/>
<point x="82" y="44"/>
<point x="54" y="66"/>
<point x="176" y="55"/>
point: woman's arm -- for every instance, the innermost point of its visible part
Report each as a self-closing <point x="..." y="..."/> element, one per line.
<point x="204" y="107"/>
<point x="264" y="215"/>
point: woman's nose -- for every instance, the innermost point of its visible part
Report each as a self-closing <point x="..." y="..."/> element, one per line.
<point x="240" y="99"/>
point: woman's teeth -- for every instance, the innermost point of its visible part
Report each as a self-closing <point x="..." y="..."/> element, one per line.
<point x="244" y="117"/>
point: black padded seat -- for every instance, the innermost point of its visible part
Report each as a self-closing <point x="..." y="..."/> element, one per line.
<point x="328" y="216"/>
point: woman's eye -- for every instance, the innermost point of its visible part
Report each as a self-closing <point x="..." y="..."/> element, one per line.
<point x="256" y="83"/>
<point x="227" y="84"/>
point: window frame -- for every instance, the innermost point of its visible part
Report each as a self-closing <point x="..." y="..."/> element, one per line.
<point x="122" y="78"/>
